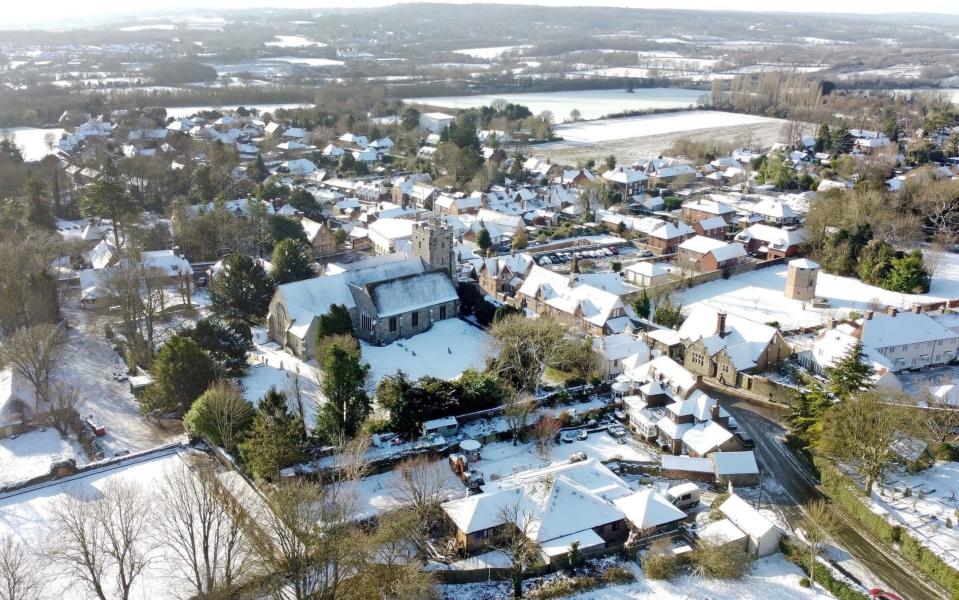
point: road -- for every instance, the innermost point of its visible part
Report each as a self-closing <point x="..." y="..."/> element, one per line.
<point x="799" y="486"/>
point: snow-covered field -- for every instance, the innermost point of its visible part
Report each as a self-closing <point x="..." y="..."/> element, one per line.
<point x="30" y="454"/>
<point x="178" y="112"/>
<point x="771" y="578"/>
<point x="759" y="295"/>
<point x="32" y="140"/>
<point x="27" y="516"/>
<point x="450" y="347"/>
<point x="489" y="53"/>
<point x="925" y="517"/>
<point x="310" y="62"/>
<point x="503" y="458"/>
<point x="592" y="104"/>
<point x="589" y="132"/>
<point x="293" y="41"/>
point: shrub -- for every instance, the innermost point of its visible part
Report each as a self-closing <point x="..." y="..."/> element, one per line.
<point x="617" y="576"/>
<point x="659" y="562"/>
<point x="720" y="562"/>
<point x="804" y="582"/>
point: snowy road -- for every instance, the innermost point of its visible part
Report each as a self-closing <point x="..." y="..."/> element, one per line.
<point x="89" y="364"/>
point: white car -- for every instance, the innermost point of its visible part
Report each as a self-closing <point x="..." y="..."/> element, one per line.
<point x="567" y="437"/>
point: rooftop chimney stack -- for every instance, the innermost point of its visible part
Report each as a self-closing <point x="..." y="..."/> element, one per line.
<point x="869" y="315"/>
<point x="721" y="324"/>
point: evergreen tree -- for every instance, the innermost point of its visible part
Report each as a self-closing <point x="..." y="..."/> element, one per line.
<point x="201" y="186"/>
<point x="181" y="372"/>
<point x="642" y="305"/>
<point x="242" y="291"/>
<point x="107" y="198"/>
<point x="292" y="261"/>
<point x="227" y="344"/>
<point x="275" y="438"/>
<point x="39" y="211"/>
<point x="908" y="274"/>
<point x="806" y="418"/>
<point x="842" y="140"/>
<point x="483" y="240"/>
<point x="336" y="321"/>
<point x="344" y="387"/>
<point x="279" y="228"/>
<point x="258" y="171"/>
<point x="823" y="139"/>
<point x="850" y="375"/>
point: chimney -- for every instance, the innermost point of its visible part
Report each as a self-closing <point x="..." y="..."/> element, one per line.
<point x="832" y="323"/>
<point x="721" y="324"/>
<point x="917" y="308"/>
<point x="892" y="311"/>
<point x="869" y="315"/>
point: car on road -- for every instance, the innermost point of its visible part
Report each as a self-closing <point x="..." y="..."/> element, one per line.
<point x="746" y="439"/>
<point x="879" y="594"/>
<point x="95" y="426"/>
<point x="567" y="437"/>
<point x="582" y="435"/>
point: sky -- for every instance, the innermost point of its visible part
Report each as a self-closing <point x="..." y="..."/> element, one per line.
<point x="18" y="14"/>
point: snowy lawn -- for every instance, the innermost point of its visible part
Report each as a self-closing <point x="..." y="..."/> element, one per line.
<point x="590" y="132"/>
<point x="30" y="454"/>
<point x="27" y="516"/>
<point x="378" y="493"/>
<point x="759" y="296"/>
<point x="503" y="458"/>
<point x="771" y="578"/>
<point x="450" y="347"/>
<point x="945" y="276"/>
<point x="925" y="517"/>
<point x="272" y="367"/>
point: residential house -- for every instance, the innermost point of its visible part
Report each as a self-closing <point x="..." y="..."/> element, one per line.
<point x="707" y="254"/>
<point x="667" y="237"/>
<point x="594" y="310"/>
<point x="18" y="402"/>
<point x="907" y="340"/>
<point x="458" y="203"/>
<point x="771" y="242"/>
<point x="503" y="275"/>
<point x="320" y="237"/>
<point x="613" y="351"/>
<point x="713" y="227"/>
<point x="628" y="181"/>
<point x="774" y="212"/>
<point x="435" y="122"/>
<point x="700" y="209"/>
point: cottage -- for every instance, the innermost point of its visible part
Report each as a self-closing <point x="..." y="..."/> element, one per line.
<point x="320" y="237"/>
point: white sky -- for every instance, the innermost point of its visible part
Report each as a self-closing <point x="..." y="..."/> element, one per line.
<point x="18" y="13"/>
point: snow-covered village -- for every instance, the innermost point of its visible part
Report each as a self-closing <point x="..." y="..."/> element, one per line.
<point x="315" y="304"/>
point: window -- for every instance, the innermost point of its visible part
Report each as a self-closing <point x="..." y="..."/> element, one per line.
<point x="415" y="319"/>
<point x="392" y="324"/>
<point x="366" y="323"/>
<point x="480" y="535"/>
<point x="442" y="312"/>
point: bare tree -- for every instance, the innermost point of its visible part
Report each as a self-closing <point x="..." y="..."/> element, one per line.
<point x="544" y="433"/>
<point x="513" y="540"/>
<point x="138" y="290"/>
<point x="227" y="411"/>
<point x="940" y="421"/>
<point x="101" y="542"/>
<point x="305" y="537"/>
<point x="517" y="411"/>
<point x="420" y="485"/>
<point x="35" y="353"/>
<point x="195" y="518"/>
<point x="351" y="462"/>
<point x="819" y="523"/>
<point x="63" y="401"/>
<point x="20" y="575"/>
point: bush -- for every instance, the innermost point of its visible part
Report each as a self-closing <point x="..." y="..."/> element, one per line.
<point x="821" y="574"/>
<point x="720" y="562"/>
<point x="659" y="562"/>
<point x="804" y="582"/>
<point x="617" y="576"/>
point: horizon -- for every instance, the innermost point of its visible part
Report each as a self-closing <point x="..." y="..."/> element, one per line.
<point x="103" y="12"/>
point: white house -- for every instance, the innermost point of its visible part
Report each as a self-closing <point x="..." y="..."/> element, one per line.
<point x="908" y="340"/>
<point x="435" y="122"/>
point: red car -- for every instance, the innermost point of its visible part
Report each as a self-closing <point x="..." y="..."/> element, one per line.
<point x="614" y="250"/>
<point x="879" y="594"/>
<point x="95" y="426"/>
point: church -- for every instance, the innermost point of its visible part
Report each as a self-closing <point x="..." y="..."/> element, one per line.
<point x="389" y="297"/>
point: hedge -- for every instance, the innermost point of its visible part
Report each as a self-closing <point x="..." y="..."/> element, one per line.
<point x="821" y="575"/>
<point x="848" y="496"/>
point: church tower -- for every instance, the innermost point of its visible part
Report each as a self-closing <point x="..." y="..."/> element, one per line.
<point x="433" y="242"/>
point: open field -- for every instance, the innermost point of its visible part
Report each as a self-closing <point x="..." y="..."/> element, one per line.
<point x="633" y="138"/>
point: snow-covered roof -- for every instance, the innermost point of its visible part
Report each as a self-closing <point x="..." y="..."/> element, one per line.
<point x="666" y="371"/>
<point x="720" y="532"/>
<point x="16" y="394"/>
<point x="649" y="268"/>
<point x="411" y="292"/>
<point x="884" y="331"/>
<point x="624" y="175"/>
<point x="712" y="223"/>
<point x="706" y="437"/>
<point x="686" y="463"/>
<point x="777" y="238"/>
<point x="745" y="517"/>
<point x="440" y="423"/>
<point x="735" y="463"/>
<point x="648" y="509"/>
<point x="744" y="340"/>
<point x="699" y="404"/>
<point x="166" y="261"/>
<point x="773" y="208"/>
<point x="590" y="303"/>
<point x="803" y="263"/>
<point x="714" y="207"/>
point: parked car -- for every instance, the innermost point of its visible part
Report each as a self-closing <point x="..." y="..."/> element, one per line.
<point x="95" y="426"/>
<point x="746" y="439"/>
<point x="614" y="250"/>
<point x="567" y="437"/>
<point x="645" y="254"/>
<point x="617" y="431"/>
<point x="121" y="453"/>
<point x="620" y="415"/>
<point x="732" y="424"/>
<point x="582" y="435"/>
